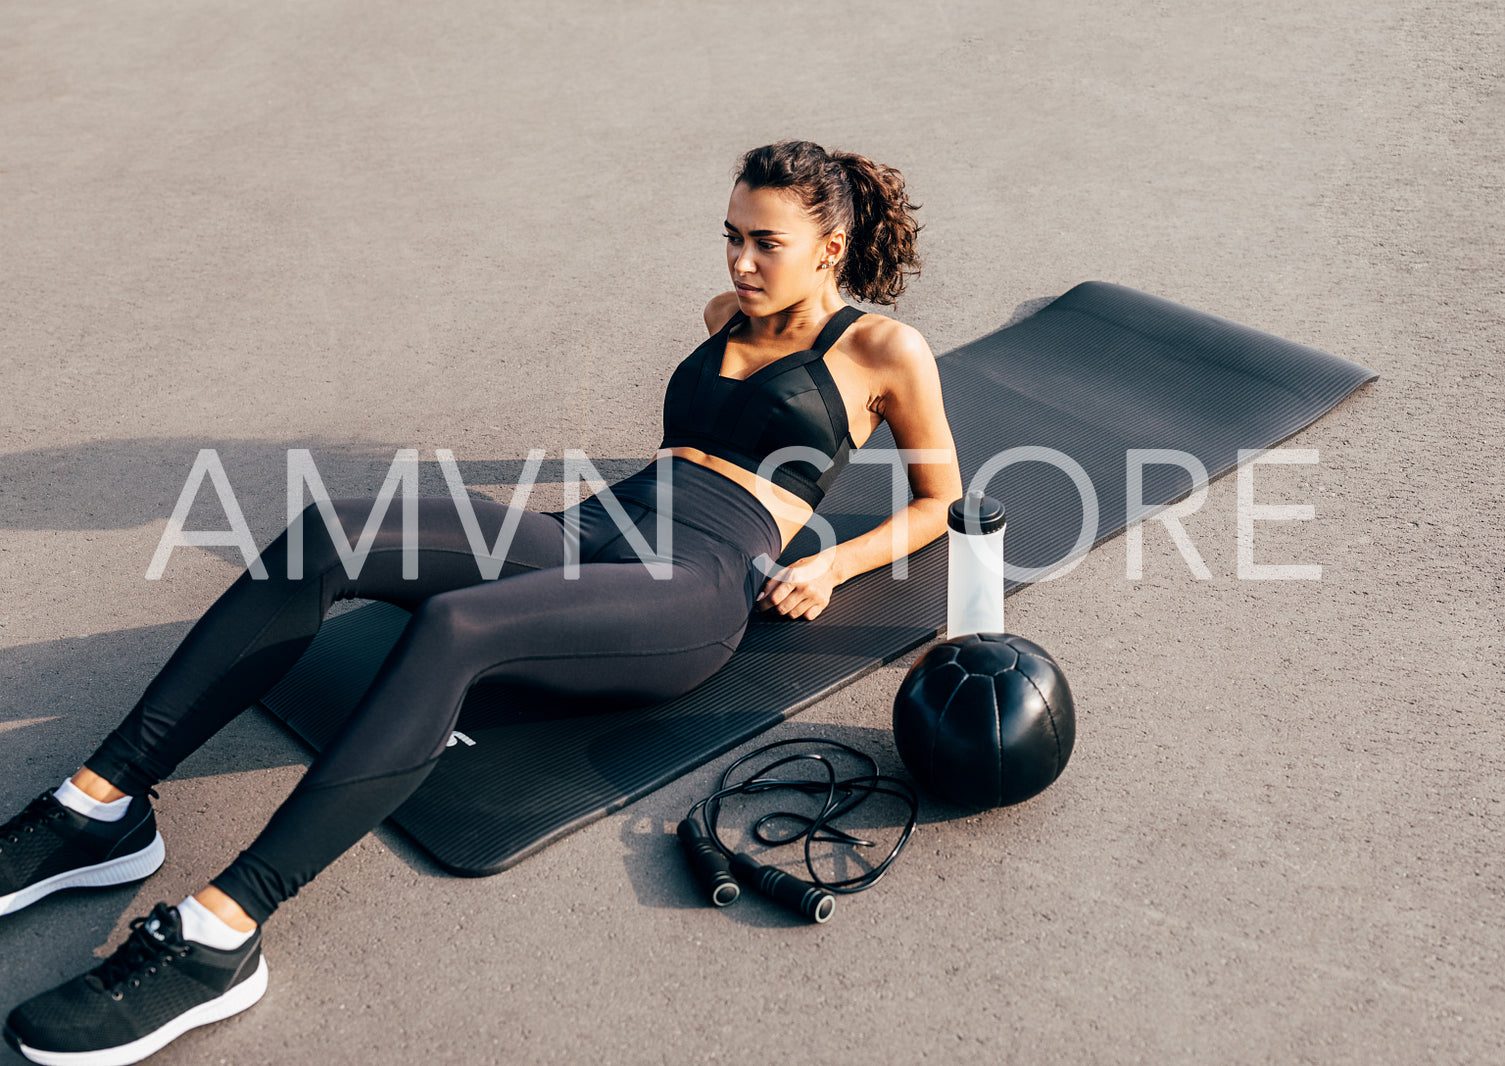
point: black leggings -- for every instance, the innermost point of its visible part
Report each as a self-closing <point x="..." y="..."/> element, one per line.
<point x="611" y="629"/>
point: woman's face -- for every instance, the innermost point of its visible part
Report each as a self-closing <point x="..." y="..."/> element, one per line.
<point x="773" y="250"/>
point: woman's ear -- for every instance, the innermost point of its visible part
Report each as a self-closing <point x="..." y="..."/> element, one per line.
<point x="834" y="245"/>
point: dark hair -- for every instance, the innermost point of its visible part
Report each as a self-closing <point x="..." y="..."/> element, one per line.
<point x="842" y="190"/>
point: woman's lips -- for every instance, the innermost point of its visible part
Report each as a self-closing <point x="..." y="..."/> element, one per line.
<point x="745" y="288"/>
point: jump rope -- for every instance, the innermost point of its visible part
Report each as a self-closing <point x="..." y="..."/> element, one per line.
<point x="721" y="872"/>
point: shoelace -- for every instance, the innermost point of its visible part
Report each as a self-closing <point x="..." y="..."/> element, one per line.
<point x="144" y="951"/>
<point x="42" y="809"/>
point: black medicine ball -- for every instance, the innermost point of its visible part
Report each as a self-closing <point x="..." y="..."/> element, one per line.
<point x="984" y="720"/>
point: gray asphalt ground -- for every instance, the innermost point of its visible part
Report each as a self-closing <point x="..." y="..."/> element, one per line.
<point x="355" y="227"/>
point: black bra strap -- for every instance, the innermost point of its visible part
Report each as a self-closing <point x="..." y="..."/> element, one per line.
<point x="835" y="327"/>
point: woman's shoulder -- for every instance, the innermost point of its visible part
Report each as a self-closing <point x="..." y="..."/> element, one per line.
<point x="719" y="310"/>
<point x="885" y="343"/>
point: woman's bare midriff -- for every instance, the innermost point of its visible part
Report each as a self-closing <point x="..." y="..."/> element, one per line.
<point x="789" y="503"/>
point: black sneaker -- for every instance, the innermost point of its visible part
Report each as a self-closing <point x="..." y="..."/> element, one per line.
<point x="152" y="990"/>
<point x="48" y="847"/>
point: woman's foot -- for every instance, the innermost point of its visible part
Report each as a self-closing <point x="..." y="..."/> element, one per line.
<point x="49" y="847"/>
<point x="152" y="989"/>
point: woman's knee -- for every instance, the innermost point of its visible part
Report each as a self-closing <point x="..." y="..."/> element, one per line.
<point x="308" y="541"/>
<point x="443" y="628"/>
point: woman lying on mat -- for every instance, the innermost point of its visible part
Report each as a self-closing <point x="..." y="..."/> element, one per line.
<point x="758" y="422"/>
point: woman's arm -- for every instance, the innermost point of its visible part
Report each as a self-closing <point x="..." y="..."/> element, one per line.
<point x="910" y="402"/>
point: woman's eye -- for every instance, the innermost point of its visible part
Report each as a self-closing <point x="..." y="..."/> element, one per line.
<point x="766" y="246"/>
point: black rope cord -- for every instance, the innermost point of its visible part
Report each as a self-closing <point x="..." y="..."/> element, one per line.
<point x="841" y="796"/>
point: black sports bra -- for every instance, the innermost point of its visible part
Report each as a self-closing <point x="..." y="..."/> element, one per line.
<point x="791" y="401"/>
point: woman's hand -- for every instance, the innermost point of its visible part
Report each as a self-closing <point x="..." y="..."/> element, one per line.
<point x="802" y="589"/>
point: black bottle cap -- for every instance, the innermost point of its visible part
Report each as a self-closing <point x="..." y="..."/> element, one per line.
<point x="975" y="513"/>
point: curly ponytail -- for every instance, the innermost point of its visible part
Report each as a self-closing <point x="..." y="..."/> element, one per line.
<point x="843" y="190"/>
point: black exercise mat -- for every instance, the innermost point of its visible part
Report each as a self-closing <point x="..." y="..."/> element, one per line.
<point x="1100" y="370"/>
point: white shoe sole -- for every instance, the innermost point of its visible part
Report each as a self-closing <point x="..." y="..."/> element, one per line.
<point x="132" y="867"/>
<point x="239" y="998"/>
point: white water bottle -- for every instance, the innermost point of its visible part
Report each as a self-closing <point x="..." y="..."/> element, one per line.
<point x="974" y="574"/>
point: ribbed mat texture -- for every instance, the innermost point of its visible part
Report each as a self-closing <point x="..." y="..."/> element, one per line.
<point x="1100" y="370"/>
